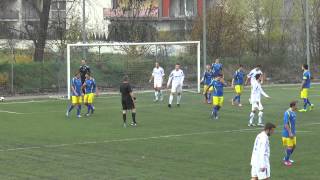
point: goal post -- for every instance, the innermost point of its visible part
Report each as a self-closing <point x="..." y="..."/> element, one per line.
<point x="117" y="48"/>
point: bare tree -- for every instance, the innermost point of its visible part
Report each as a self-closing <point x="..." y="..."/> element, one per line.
<point x="37" y="32"/>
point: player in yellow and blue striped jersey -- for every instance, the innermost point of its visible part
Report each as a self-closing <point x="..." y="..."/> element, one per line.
<point x="206" y="80"/>
<point x="217" y="100"/>
<point x="88" y="85"/>
<point x="237" y="83"/>
<point x="289" y="140"/>
<point x="76" y="91"/>
<point x="305" y="86"/>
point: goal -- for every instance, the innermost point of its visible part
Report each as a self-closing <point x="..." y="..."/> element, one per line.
<point x="110" y="61"/>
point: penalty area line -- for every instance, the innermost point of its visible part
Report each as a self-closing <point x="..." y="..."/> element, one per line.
<point x="135" y="139"/>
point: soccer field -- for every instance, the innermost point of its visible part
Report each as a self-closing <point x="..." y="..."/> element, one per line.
<point x="39" y="142"/>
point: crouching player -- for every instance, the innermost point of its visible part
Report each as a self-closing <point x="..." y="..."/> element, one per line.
<point x="76" y="98"/>
<point x="206" y="80"/>
<point x="217" y="100"/>
<point x="89" y="95"/>
<point x="289" y="133"/>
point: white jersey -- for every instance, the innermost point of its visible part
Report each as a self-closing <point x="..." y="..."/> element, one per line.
<point x="261" y="151"/>
<point x="252" y="75"/>
<point x="256" y="92"/>
<point x="158" y="74"/>
<point x="177" y="78"/>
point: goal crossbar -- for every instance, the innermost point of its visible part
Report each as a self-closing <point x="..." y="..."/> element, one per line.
<point x="129" y="44"/>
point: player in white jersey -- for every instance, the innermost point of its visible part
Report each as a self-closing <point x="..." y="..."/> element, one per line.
<point x="251" y="76"/>
<point x="177" y="78"/>
<point x="157" y="76"/>
<point x="253" y="73"/>
<point x="260" y="164"/>
<point x="255" y="97"/>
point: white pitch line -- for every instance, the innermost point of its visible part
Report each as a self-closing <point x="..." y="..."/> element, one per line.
<point x="139" y="139"/>
<point x="10" y="112"/>
<point x="127" y="139"/>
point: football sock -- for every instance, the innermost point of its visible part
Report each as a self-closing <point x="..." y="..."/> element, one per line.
<point x="134" y="117"/>
<point x="89" y="108"/>
<point x="170" y="99"/>
<point x="70" y="108"/>
<point x="251" y="117"/>
<point x="260" y="115"/>
<point x="215" y="111"/>
<point x="78" y="110"/>
<point x="288" y="154"/>
<point x="178" y="99"/>
<point x="305" y="103"/>
<point x="206" y="96"/>
<point x="209" y="97"/>
<point x="309" y="103"/>
<point x="124" y="117"/>
<point x="239" y="99"/>
<point x="156" y="95"/>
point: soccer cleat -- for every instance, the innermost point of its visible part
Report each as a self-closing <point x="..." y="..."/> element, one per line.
<point x="311" y="107"/>
<point x="250" y="125"/>
<point x="124" y="125"/>
<point x="260" y="124"/>
<point x="133" y="124"/>
<point x="216" y="118"/>
<point x="240" y="105"/>
<point x="287" y="163"/>
<point x="302" y="110"/>
<point x="169" y="105"/>
<point x="284" y="159"/>
<point x="79" y="116"/>
<point x="232" y="102"/>
<point x="67" y="113"/>
<point x="87" y="114"/>
<point x="155" y="100"/>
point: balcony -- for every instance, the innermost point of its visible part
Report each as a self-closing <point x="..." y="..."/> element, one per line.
<point x="9" y="15"/>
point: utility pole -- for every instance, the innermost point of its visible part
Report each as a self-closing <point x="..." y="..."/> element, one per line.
<point x="84" y="36"/>
<point x="204" y="32"/>
<point x="307" y="33"/>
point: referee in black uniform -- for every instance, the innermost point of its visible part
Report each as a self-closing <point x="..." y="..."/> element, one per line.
<point x="128" y="101"/>
<point x="84" y="69"/>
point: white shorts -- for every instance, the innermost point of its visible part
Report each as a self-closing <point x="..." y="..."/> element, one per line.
<point x="256" y="105"/>
<point x="176" y="88"/>
<point x="255" y="172"/>
<point x="157" y="84"/>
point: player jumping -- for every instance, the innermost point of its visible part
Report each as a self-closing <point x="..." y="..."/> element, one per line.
<point x="237" y="83"/>
<point x="255" y="97"/>
<point x="305" y="86"/>
<point x="216" y="68"/>
<point x="251" y="77"/>
<point x="157" y="76"/>
<point x="289" y="140"/>
<point x="76" y="98"/>
<point x="177" y="78"/>
<point x="206" y="79"/>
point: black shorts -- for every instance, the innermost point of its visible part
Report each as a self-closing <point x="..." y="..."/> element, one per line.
<point x="127" y="104"/>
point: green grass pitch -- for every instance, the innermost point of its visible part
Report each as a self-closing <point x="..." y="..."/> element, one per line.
<point x="37" y="141"/>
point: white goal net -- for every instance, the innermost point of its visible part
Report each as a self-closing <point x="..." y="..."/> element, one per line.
<point x="109" y="62"/>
